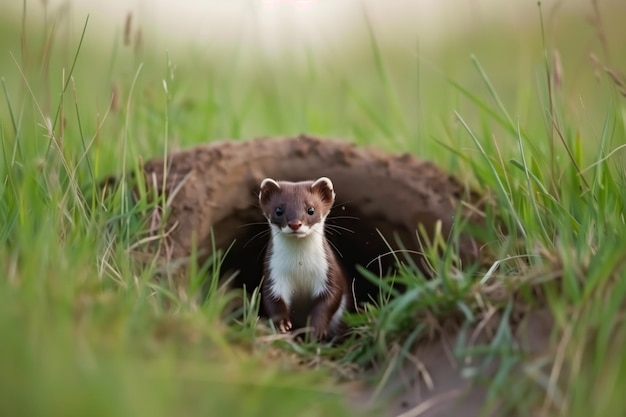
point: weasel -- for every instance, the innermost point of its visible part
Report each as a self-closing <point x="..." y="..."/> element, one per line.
<point x="303" y="281"/>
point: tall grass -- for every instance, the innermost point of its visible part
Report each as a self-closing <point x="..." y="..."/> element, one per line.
<point x="88" y="330"/>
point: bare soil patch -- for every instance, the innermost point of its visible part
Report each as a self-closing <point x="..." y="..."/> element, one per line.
<point x="212" y="193"/>
<point x="213" y="190"/>
<point x="433" y="384"/>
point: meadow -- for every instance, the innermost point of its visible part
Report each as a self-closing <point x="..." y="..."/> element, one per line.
<point x="534" y="117"/>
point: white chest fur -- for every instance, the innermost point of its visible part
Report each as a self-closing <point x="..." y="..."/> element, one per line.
<point x="298" y="266"/>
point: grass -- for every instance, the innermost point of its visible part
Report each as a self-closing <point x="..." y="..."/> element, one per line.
<point x="87" y="330"/>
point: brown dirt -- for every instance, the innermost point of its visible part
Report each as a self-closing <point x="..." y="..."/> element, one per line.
<point x="215" y="187"/>
<point x="432" y="383"/>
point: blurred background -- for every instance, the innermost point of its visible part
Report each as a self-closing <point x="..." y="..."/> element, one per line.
<point x="91" y="88"/>
<point x="273" y="25"/>
<point x="387" y="72"/>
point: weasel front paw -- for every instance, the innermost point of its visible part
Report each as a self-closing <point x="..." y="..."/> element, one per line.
<point x="321" y="335"/>
<point x="320" y="332"/>
<point x="284" y="326"/>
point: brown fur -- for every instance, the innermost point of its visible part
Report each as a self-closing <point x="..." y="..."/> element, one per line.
<point x="294" y="199"/>
<point x="212" y="193"/>
<point x="300" y="196"/>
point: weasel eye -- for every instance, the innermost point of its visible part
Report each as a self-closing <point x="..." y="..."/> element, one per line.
<point x="278" y="211"/>
<point x="310" y="211"/>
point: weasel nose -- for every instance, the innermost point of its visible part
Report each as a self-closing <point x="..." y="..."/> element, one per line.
<point x="294" y="225"/>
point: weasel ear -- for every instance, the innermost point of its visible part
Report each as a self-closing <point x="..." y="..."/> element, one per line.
<point x="268" y="187"/>
<point x="324" y="186"/>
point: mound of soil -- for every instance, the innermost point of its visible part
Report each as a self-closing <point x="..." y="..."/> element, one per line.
<point x="381" y="199"/>
<point x="433" y="383"/>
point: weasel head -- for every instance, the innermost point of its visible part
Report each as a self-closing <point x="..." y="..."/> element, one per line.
<point x="296" y="208"/>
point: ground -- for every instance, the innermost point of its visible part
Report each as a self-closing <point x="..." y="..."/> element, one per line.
<point x="518" y="126"/>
